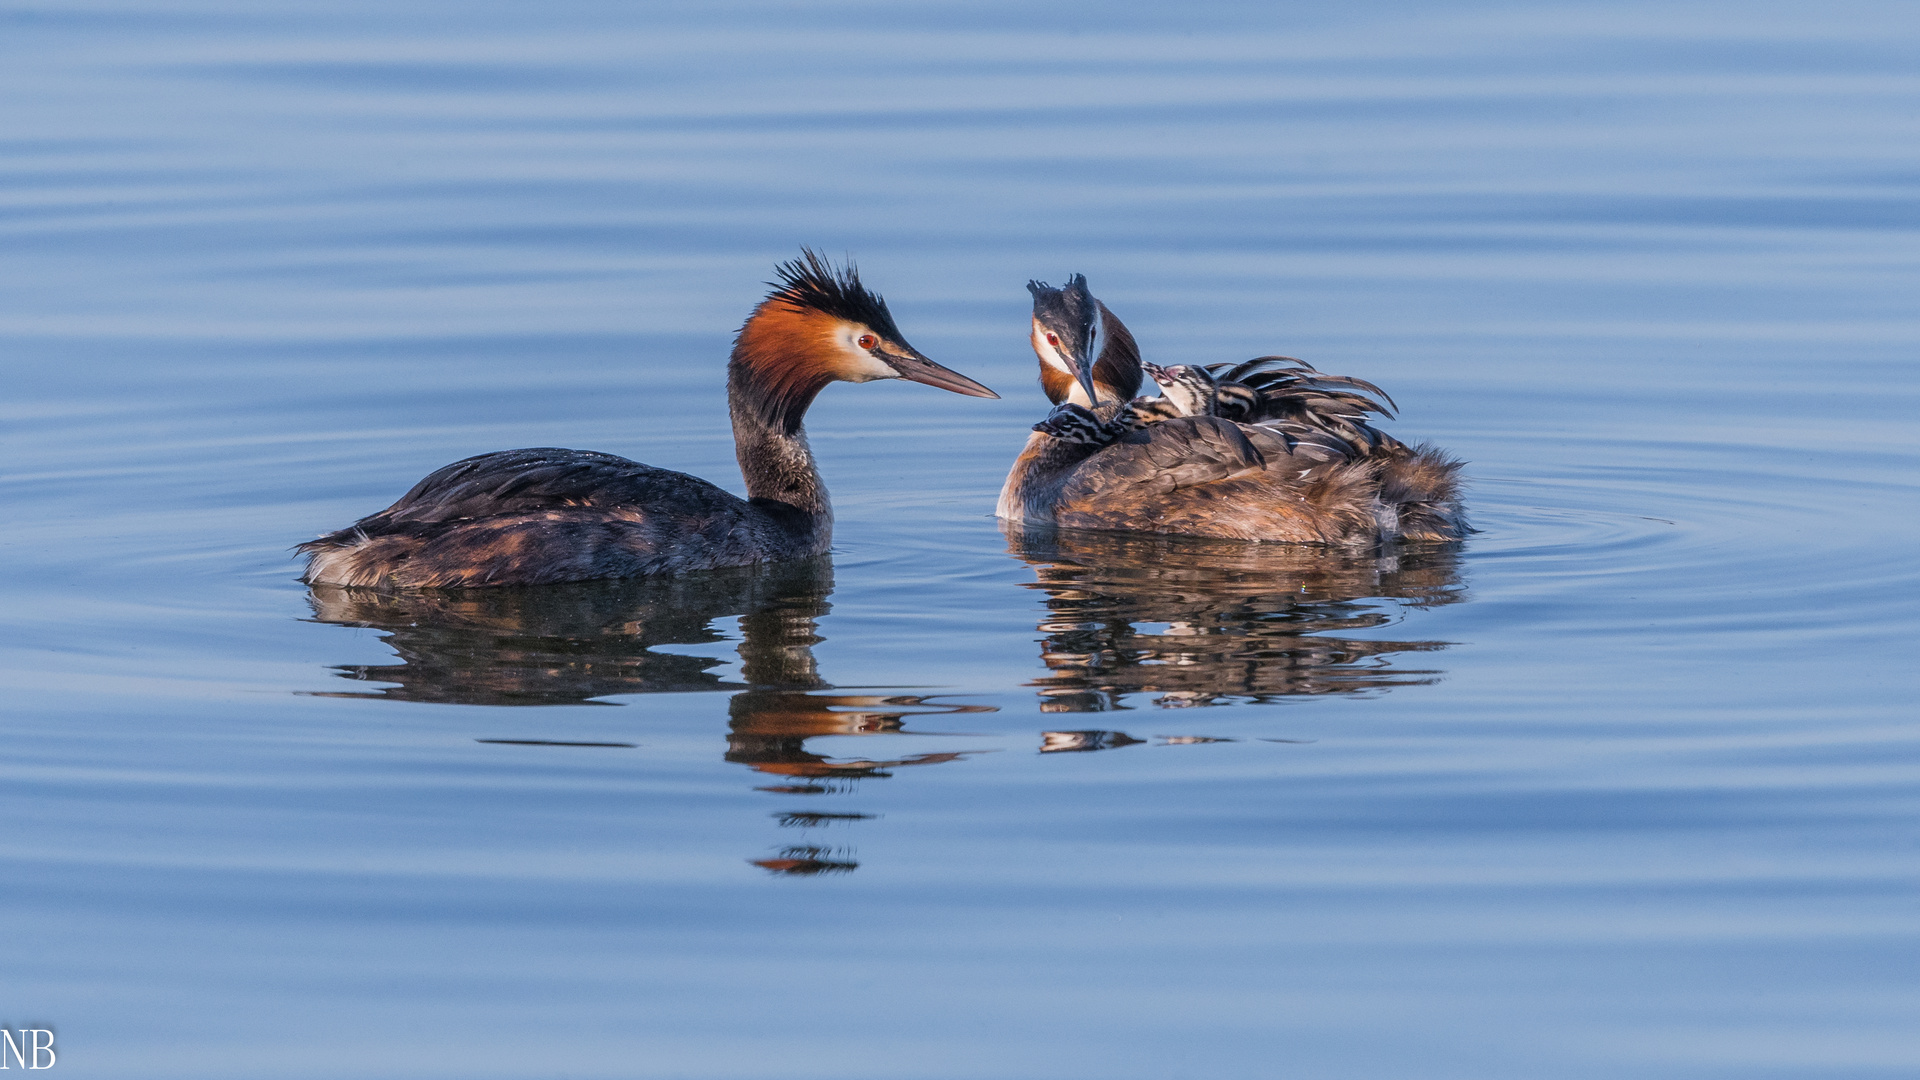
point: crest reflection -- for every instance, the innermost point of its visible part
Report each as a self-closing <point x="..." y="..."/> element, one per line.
<point x="1193" y="621"/>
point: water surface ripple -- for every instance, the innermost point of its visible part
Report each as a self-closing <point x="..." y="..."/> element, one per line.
<point x="1623" y="785"/>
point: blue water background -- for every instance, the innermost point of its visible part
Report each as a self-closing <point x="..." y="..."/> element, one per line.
<point x="1628" y="789"/>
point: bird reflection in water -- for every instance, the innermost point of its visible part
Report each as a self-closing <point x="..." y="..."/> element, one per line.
<point x="1195" y="621"/>
<point x="574" y="644"/>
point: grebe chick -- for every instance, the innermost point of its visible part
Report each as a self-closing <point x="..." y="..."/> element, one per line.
<point x="1189" y="390"/>
<point x="1267" y="450"/>
<point x="1286" y="394"/>
<point x="531" y="517"/>
<point x="1077" y="425"/>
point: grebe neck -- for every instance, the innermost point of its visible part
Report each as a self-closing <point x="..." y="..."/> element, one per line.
<point x="768" y="404"/>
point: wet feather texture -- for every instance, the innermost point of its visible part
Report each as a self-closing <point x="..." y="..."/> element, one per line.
<point x="1626" y="784"/>
<point x="548" y="516"/>
<point x="1265" y="450"/>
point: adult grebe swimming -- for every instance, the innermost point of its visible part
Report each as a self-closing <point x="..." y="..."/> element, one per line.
<point x="530" y="517"/>
<point x="1269" y="450"/>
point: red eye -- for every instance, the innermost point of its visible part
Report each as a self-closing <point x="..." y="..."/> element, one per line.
<point x="867" y="341"/>
<point x="1053" y="340"/>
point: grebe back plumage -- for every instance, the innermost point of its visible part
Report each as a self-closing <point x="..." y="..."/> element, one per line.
<point x="547" y="515"/>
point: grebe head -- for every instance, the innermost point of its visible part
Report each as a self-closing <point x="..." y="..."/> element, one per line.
<point x="1072" y="423"/>
<point x="821" y="325"/>
<point x="1188" y="388"/>
<point x="1068" y="331"/>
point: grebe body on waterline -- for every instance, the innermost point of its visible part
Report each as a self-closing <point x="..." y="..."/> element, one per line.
<point x="1267" y="450"/>
<point x="540" y="516"/>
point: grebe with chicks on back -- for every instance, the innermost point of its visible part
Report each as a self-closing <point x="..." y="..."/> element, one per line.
<point x="1266" y="450"/>
<point x="541" y="516"/>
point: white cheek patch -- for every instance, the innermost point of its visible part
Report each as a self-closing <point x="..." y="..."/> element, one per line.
<point x="1049" y="355"/>
<point x="859" y="365"/>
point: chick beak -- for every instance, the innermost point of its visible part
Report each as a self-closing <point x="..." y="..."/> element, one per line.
<point x="916" y="368"/>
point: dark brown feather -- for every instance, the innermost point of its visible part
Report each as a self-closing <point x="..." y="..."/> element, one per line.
<point x="1314" y="473"/>
<point x="549" y="515"/>
<point x="1278" y="451"/>
<point x="541" y="516"/>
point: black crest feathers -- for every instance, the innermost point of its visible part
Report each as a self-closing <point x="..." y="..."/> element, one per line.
<point x="811" y="283"/>
<point x="1070" y="307"/>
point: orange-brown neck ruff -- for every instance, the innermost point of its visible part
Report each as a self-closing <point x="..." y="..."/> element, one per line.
<point x="782" y="359"/>
<point x="1056" y="384"/>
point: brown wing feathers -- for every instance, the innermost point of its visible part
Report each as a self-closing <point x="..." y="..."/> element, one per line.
<point x="1288" y="456"/>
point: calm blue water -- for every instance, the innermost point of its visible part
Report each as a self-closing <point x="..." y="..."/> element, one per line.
<point x="1626" y="785"/>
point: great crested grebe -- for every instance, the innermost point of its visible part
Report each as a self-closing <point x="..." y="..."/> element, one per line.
<point x="1267" y="450"/>
<point x="533" y="517"/>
